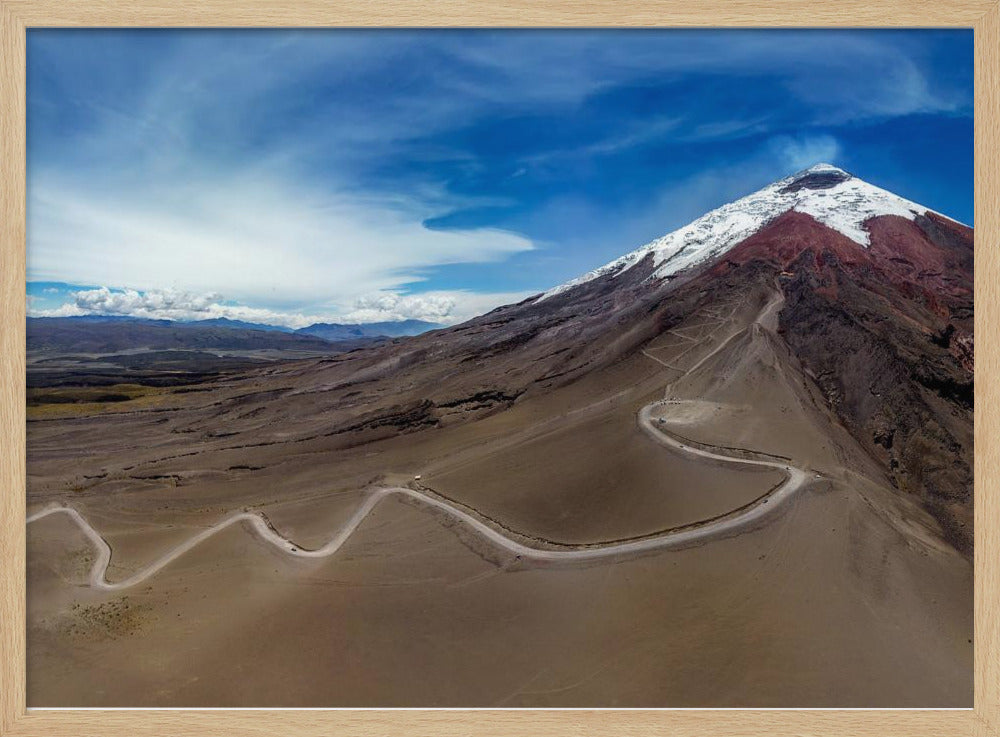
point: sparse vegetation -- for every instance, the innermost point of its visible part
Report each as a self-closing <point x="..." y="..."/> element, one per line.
<point x="77" y="401"/>
<point x="112" y="620"/>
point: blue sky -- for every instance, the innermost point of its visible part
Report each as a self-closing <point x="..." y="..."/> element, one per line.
<point x="292" y="176"/>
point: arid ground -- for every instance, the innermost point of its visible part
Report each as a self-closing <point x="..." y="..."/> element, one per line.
<point x="847" y="593"/>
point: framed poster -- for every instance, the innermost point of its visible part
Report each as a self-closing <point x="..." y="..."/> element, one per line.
<point x="458" y="369"/>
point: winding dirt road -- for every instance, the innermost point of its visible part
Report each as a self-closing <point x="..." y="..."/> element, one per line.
<point x="698" y="532"/>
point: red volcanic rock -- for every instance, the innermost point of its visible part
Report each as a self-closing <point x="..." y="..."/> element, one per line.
<point x="783" y="241"/>
<point x="903" y="251"/>
<point x="929" y="259"/>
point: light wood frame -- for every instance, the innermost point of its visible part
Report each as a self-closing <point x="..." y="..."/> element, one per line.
<point x="18" y="15"/>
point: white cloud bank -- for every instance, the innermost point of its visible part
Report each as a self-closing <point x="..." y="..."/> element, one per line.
<point x="442" y="307"/>
<point x="166" y="304"/>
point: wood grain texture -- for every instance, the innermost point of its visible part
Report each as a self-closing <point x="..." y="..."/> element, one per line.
<point x="987" y="378"/>
<point x="490" y="723"/>
<point x="520" y="13"/>
<point x="15" y="15"/>
<point x="12" y="372"/>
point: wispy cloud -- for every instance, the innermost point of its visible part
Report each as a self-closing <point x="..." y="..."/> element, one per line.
<point x="800" y="152"/>
<point x="249" y="237"/>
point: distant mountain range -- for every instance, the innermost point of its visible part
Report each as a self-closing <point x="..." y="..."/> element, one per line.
<point x="331" y="331"/>
<point x="114" y="333"/>
<point x="335" y="331"/>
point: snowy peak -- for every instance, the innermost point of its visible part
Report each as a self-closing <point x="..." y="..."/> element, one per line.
<point x="820" y="176"/>
<point x="825" y="192"/>
<point x="821" y="167"/>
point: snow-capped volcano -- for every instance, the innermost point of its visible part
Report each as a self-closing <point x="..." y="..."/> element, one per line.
<point x="825" y="192"/>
